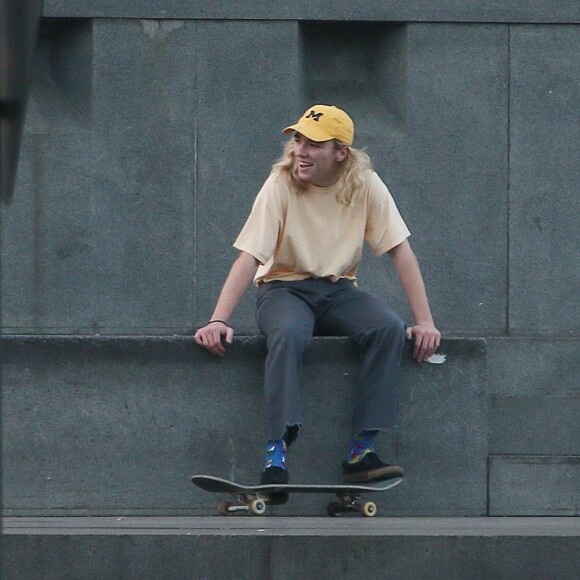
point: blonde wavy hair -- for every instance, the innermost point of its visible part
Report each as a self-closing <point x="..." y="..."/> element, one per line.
<point x="351" y="180"/>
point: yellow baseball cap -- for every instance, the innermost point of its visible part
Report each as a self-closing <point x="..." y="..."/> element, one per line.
<point x="323" y="123"/>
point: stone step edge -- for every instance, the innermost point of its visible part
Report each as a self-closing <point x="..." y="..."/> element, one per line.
<point x="295" y="526"/>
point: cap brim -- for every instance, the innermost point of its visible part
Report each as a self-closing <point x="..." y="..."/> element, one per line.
<point x="310" y="131"/>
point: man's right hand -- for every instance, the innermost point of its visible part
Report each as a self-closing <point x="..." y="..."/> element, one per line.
<point x="213" y="335"/>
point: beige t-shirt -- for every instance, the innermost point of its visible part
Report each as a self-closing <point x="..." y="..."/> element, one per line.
<point x="298" y="235"/>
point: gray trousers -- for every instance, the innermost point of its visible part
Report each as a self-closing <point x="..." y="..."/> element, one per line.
<point x="289" y="314"/>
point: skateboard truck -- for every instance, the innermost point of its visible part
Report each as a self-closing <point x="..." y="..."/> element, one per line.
<point x="348" y="502"/>
<point x="256" y="506"/>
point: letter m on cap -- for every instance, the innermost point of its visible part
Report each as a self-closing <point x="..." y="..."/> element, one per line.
<point x="314" y="115"/>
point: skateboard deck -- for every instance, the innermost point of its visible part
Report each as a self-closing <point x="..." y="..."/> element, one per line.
<point x="255" y="498"/>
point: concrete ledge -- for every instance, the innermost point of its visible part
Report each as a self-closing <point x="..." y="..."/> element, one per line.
<point x="289" y="526"/>
<point x="415" y="10"/>
<point x="277" y="548"/>
<point x="106" y="425"/>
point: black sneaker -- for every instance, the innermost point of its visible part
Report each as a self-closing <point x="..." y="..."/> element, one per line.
<point x="274" y="476"/>
<point x="370" y="468"/>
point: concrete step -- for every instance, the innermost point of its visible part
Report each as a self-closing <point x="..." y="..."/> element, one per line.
<point x="256" y="548"/>
<point x="117" y="425"/>
<point x="108" y="425"/>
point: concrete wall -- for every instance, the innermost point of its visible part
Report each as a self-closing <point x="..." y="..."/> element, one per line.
<point x="151" y="127"/>
<point x="197" y="553"/>
<point x="147" y="140"/>
<point x="118" y="425"/>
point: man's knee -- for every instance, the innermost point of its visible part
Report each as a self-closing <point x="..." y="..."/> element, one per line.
<point x="399" y="328"/>
<point x="390" y="328"/>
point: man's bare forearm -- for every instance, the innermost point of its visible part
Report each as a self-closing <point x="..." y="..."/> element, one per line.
<point x="214" y="334"/>
<point x="427" y="337"/>
<point x="241" y="275"/>
<point x="411" y="280"/>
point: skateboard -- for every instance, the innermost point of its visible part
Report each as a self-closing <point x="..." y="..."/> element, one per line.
<point x="254" y="498"/>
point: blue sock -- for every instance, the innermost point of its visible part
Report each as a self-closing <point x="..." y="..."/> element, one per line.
<point x="360" y="445"/>
<point x="275" y="454"/>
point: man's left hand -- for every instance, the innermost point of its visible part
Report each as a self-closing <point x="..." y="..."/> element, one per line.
<point x="427" y="340"/>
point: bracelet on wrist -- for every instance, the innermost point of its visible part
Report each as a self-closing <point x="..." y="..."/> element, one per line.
<point x="223" y="322"/>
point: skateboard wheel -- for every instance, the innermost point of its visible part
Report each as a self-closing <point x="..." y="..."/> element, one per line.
<point x="258" y="507"/>
<point x="224" y="508"/>
<point x="333" y="509"/>
<point x="369" y="509"/>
